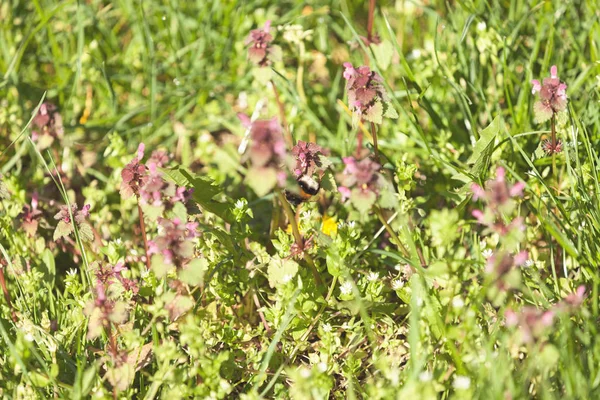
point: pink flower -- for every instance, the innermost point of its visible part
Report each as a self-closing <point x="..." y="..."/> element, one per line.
<point x="307" y="158"/>
<point x="499" y="198"/>
<point x="174" y="242"/>
<point x="30" y="216"/>
<point x="366" y="93"/>
<point x="500" y="264"/>
<point x="268" y="147"/>
<point x="362" y="175"/>
<point x="552" y="96"/>
<point x="259" y="42"/>
<point x="575" y="299"/>
<point x="48" y="125"/>
<point x="532" y="323"/>
<point x="134" y="175"/>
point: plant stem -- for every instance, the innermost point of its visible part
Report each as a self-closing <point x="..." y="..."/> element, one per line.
<point x="288" y="135"/>
<point x="7" y="294"/>
<point x="371" y="19"/>
<point x="374" y="134"/>
<point x="298" y="237"/>
<point x="143" y="229"/>
<point x="553" y="133"/>
<point x="260" y="313"/>
<point x="359" y="143"/>
<point x="389" y="229"/>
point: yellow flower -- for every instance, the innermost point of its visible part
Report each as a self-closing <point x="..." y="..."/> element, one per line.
<point x="329" y="226"/>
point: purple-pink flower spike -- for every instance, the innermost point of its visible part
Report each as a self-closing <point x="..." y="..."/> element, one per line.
<point x="552" y="96"/>
<point x="259" y="41"/>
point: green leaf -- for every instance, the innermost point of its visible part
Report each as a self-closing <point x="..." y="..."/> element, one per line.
<point x="85" y="232"/>
<point x="281" y="271"/>
<point x="158" y="265"/>
<point x="261" y="180"/>
<point x="384" y="52"/>
<point x="63" y="229"/>
<point x="204" y="191"/>
<point x="482" y="152"/>
<point x="363" y="201"/>
<point x="193" y="273"/>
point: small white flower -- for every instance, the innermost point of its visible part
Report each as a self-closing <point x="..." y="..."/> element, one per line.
<point x="461" y="382"/>
<point x="72" y="272"/>
<point x="487" y="253"/>
<point x="425" y="376"/>
<point x="305" y="373"/>
<point x="373" y="276"/>
<point x="481" y="26"/>
<point x="322" y="367"/>
<point x="482" y="244"/>
<point x="346" y="288"/>
<point x="345" y="326"/>
<point x="529" y="263"/>
<point x="326" y="327"/>
<point x="240" y="204"/>
<point x="306" y="215"/>
<point x="458" y="302"/>
<point x="397" y="284"/>
<point x="351" y="224"/>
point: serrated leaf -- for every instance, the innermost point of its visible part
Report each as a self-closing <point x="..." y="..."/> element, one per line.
<point x="482" y="152"/>
<point x="261" y="180"/>
<point x="390" y="111"/>
<point x="281" y="271"/>
<point x="193" y="273"/>
<point x="374" y="113"/>
<point x="63" y="229"/>
<point x="328" y="183"/>
<point x="362" y="200"/>
<point x="158" y="265"/>
<point x="204" y="191"/>
<point x="384" y="52"/>
<point x="85" y="232"/>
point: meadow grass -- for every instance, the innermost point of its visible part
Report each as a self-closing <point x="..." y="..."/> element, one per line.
<point x="399" y="291"/>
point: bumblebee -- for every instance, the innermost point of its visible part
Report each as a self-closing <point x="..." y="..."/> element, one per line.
<point x="307" y="188"/>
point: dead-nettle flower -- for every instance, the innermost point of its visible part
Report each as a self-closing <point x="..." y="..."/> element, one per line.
<point x="308" y="158"/>
<point x="573" y="300"/>
<point x="260" y="51"/>
<point x="108" y="274"/>
<point x="359" y="176"/>
<point x="267" y="155"/>
<point x="103" y="311"/>
<point x="367" y="97"/>
<point x="134" y="175"/>
<point x="30" y="216"/>
<point x="157" y="191"/>
<point x="48" y="125"/>
<point x="499" y="198"/>
<point x="532" y="322"/>
<point x="65" y="225"/>
<point x="502" y="263"/>
<point x="552" y="96"/>
<point x="174" y="242"/>
<point x="362" y="183"/>
<point x="550" y="148"/>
